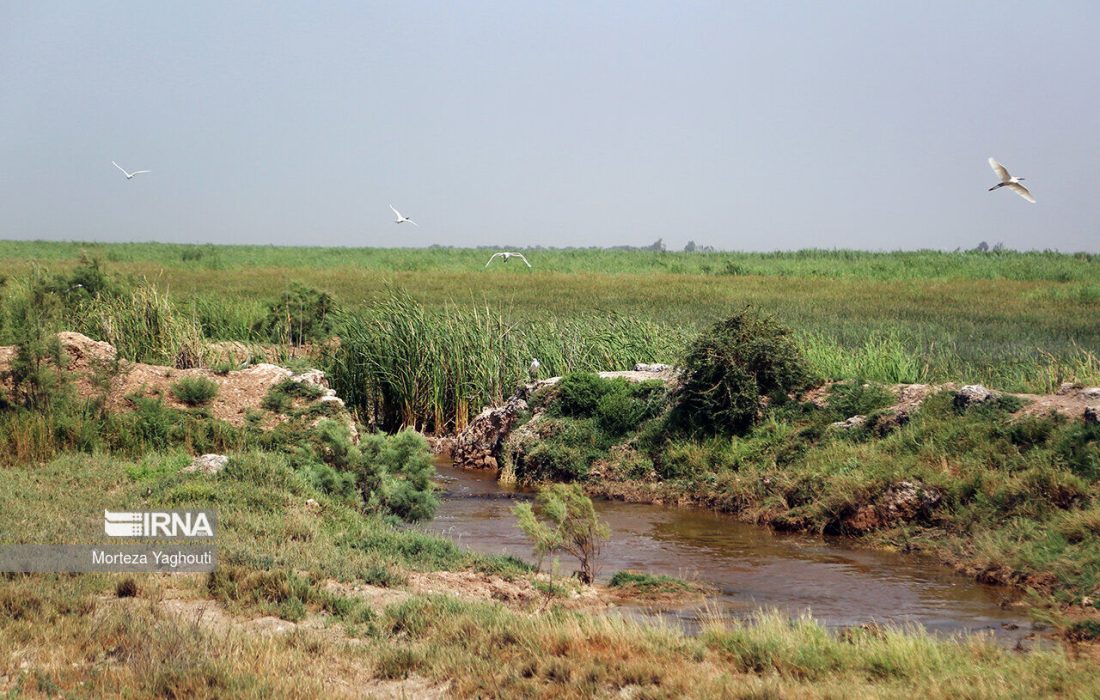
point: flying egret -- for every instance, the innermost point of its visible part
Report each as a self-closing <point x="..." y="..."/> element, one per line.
<point x="506" y="256"/>
<point x="129" y="176"/>
<point x="403" y="219"/>
<point x="1009" y="181"/>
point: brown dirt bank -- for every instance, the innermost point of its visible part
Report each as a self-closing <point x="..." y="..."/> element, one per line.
<point x="98" y="373"/>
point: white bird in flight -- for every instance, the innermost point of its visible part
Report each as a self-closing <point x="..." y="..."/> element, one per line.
<point x="506" y="256"/>
<point x="1009" y="181"/>
<point x="129" y="176"/>
<point x="403" y="219"/>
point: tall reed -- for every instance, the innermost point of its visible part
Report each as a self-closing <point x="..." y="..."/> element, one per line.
<point x="404" y="365"/>
<point x="144" y="326"/>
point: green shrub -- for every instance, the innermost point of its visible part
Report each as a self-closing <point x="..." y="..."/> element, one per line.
<point x="33" y="315"/>
<point x="618" y="413"/>
<point x="280" y="397"/>
<point x="340" y="485"/>
<point x="195" y="391"/>
<point x="579" y="393"/>
<point x="398" y="470"/>
<point x="730" y="366"/>
<point x="302" y="313"/>
<point x="565" y="455"/>
<point x="88" y="278"/>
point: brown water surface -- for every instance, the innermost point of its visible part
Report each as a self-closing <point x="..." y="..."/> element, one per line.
<point x="750" y="567"/>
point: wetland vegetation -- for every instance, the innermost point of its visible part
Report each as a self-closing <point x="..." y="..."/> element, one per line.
<point x="313" y="526"/>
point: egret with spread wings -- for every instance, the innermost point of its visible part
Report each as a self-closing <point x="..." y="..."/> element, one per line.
<point x="1007" y="180"/>
<point x="403" y="219"/>
<point x="506" y="257"/>
<point x="129" y="176"/>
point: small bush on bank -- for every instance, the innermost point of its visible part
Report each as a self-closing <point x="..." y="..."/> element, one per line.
<point x="579" y="393"/>
<point x="195" y="391"/>
<point x="302" y="313"/>
<point x="280" y="398"/>
<point x="392" y="473"/>
<point x="729" y="367"/>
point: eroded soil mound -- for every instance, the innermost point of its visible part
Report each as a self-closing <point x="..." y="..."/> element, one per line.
<point x="97" y="372"/>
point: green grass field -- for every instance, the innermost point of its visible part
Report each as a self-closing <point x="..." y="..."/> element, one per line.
<point x="1018" y="321"/>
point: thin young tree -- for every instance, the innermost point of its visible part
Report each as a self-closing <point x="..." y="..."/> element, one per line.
<point x="563" y="519"/>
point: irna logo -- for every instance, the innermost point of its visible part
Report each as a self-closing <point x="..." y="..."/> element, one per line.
<point x="168" y="523"/>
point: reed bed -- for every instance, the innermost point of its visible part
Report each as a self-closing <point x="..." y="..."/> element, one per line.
<point x="144" y="326"/>
<point x="406" y="365"/>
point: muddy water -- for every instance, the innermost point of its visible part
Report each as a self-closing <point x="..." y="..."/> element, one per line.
<point x="749" y="567"/>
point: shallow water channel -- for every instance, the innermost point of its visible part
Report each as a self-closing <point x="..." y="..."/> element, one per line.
<point x="749" y="567"/>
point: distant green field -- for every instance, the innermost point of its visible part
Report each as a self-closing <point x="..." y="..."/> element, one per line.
<point x="835" y="264"/>
<point x="1018" y="321"/>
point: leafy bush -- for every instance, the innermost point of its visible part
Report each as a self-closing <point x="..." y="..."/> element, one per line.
<point x="618" y="405"/>
<point x="618" y="413"/>
<point x="627" y="405"/>
<point x="566" y="454"/>
<point x="392" y="473"/>
<point x="89" y="278"/>
<point x="399" y="470"/>
<point x="579" y="393"/>
<point x="195" y="391"/>
<point x="730" y="366"/>
<point x="302" y="313"/>
<point x="340" y="485"/>
<point x="33" y="316"/>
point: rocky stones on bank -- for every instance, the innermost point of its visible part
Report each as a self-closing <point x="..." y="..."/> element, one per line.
<point x="207" y="464"/>
<point x="478" y="445"/>
<point x="1092" y="414"/>
<point x="905" y="501"/>
<point x="849" y="423"/>
<point x="972" y="395"/>
<point x="652" y="367"/>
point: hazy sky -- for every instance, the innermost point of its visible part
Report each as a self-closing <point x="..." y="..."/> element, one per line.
<point x="759" y="126"/>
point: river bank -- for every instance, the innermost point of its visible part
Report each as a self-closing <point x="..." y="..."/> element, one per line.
<point x="1000" y="487"/>
<point x="745" y="568"/>
<point x="314" y="598"/>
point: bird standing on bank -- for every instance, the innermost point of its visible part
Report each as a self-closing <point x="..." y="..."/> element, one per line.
<point x="129" y="176"/>
<point x="534" y="369"/>
<point x="403" y="219"/>
<point x="1007" y="180"/>
<point x="506" y="256"/>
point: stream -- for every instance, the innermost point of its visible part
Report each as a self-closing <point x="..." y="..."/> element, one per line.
<point x="749" y="566"/>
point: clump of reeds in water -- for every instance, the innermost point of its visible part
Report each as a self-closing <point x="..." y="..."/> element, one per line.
<point x="431" y="369"/>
